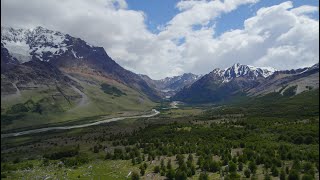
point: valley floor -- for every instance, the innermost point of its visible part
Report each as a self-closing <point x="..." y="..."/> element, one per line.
<point x="191" y="142"/>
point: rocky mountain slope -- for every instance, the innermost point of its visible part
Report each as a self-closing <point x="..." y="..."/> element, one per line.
<point x="56" y="73"/>
<point x="243" y="80"/>
<point x="68" y="54"/>
<point x="300" y="80"/>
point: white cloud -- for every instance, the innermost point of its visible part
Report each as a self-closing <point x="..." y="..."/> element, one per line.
<point x="276" y="36"/>
<point x="280" y="36"/>
<point x="305" y="9"/>
<point x="197" y="13"/>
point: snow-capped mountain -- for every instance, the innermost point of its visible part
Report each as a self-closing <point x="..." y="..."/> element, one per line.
<point x="246" y="71"/>
<point x="302" y="79"/>
<point x="40" y="43"/>
<point x="244" y="80"/>
<point x="67" y="53"/>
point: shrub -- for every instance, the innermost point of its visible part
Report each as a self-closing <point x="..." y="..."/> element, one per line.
<point x="247" y="173"/>
<point x="274" y="171"/>
<point x="170" y="174"/>
<point x="240" y="166"/>
<point x="203" y="176"/>
<point x="232" y="167"/>
<point x="294" y="175"/>
<point x="253" y="167"/>
<point x="135" y="176"/>
<point x="156" y="169"/>
<point x="307" y="177"/>
<point x="282" y="175"/>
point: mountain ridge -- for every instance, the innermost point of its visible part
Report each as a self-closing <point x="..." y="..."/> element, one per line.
<point x="224" y="85"/>
<point x="68" y="53"/>
<point x="169" y="86"/>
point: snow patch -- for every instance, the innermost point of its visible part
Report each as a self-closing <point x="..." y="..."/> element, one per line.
<point x="22" y="44"/>
<point x="19" y="49"/>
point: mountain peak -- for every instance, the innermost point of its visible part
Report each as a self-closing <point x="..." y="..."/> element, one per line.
<point x="240" y="70"/>
<point x="39" y="42"/>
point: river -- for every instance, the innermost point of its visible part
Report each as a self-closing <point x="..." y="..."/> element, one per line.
<point x="33" y="131"/>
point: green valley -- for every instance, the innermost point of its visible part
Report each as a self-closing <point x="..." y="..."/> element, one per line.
<point x="254" y="140"/>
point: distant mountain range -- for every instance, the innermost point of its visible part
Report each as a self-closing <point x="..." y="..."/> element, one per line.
<point x="171" y="85"/>
<point x="51" y="75"/>
<point x="243" y="80"/>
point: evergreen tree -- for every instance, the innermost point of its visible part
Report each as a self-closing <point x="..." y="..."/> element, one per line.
<point x="247" y="173"/>
<point x="267" y="177"/>
<point x="283" y="175"/>
<point x="232" y="167"/>
<point x="203" y="176"/>
<point x="170" y="174"/>
<point x="294" y="175"/>
<point x="274" y="171"/>
<point x="240" y="166"/>
<point x="252" y="167"/>
<point x="307" y="177"/>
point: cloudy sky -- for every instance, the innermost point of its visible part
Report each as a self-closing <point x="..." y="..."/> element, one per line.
<point x="168" y="37"/>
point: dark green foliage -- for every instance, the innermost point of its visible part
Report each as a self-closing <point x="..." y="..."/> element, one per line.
<point x="287" y="170"/>
<point x="16" y="160"/>
<point x="108" y="156"/>
<point x="203" y="176"/>
<point x="108" y="89"/>
<point x="253" y="167"/>
<point x="163" y="168"/>
<point x="267" y="177"/>
<point x="18" y="108"/>
<point x="291" y="91"/>
<point x="135" y="176"/>
<point x="3" y="175"/>
<point x="142" y="171"/>
<point x="296" y="165"/>
<point x="294" y="175"/>
<point x="308" y="168"/>
<point x="156" y="169"/>
<point x="282" y="174"/>
<point x="307" y="177"/>
<point x="232" y="167"/>
<point x="170" y="174"/>
<point x="62" y="154"/>
<point x="95" y="149"/>
<point x="75" y="161"/>
<point x="45" y="162"/>
<point x="233" y="175"/>
<point x="247" y="173"/>
<point x="274" y="171"/>
<point x="169" y="166"/>
<point x="180" y="175"/>
<point x="240" y="166"/>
